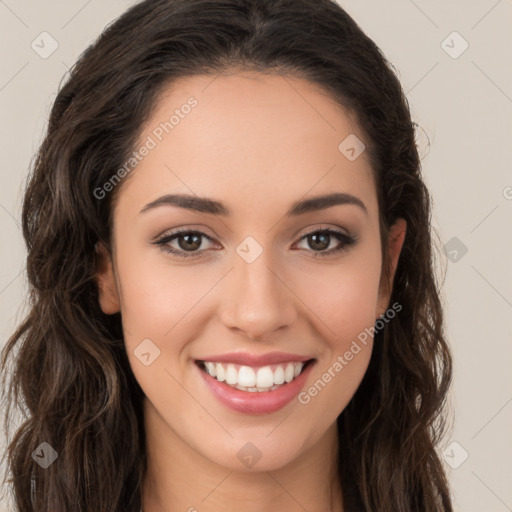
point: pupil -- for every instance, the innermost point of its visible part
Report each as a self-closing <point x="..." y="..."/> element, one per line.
<point x="194" y="245"/>
<point x="319" y="245"/>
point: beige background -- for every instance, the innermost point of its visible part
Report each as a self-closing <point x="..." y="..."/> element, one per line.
<point x="463" y="105"/>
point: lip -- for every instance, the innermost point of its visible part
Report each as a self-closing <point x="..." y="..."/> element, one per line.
<point x="255" y="360"/>
<point x="264" y="402"/>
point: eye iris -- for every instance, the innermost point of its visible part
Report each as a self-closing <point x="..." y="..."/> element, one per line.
<point x="189" y="245"/>
<point x="323" y="244"/>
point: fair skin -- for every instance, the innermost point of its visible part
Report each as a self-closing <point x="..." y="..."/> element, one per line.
<point x="257" y="143"/>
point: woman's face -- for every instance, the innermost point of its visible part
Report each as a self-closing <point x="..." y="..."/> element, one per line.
<point x="257" y="276"/>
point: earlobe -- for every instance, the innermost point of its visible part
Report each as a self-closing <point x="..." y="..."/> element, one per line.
<point x="396" y="239"/>
<point x="107" y="288"/>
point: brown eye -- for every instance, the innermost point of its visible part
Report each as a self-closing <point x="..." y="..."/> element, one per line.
<point x="319" y="241"/>
<point x="187" y="242"/>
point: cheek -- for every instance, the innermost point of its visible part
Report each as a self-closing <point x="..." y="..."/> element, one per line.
<point x="343" y="295"/>
<point x="157" y="297"/>
<point x="162" y="304"/>
<point x="334" y="383"/>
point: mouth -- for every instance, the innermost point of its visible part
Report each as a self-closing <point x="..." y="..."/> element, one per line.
<point x="255" y="390"/>
<point x="255" y="379"/>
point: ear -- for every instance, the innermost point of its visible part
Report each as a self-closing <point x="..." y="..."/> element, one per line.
<point x="107" y="289"/>
<point x="396" y="239"/>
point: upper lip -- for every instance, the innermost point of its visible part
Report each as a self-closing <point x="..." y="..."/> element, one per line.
<point x="247" y="359"/>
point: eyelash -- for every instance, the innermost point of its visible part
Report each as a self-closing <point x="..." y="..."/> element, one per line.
<point x="346" y="242"/>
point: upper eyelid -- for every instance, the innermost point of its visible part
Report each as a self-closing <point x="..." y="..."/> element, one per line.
<point x="179" y="231"/>
<point x="330" y="229"/>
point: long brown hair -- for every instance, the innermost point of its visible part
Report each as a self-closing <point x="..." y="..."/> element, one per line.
<point x="70" y="373"/>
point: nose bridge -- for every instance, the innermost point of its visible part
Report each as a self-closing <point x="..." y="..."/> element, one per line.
<point x="256" y="301"/>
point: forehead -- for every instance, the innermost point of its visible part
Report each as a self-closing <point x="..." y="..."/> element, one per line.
<point x="257" y="134"/>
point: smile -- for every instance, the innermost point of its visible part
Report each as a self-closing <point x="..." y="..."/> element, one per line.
<point x="253" y="379"/>
<point x="255" y="390"/>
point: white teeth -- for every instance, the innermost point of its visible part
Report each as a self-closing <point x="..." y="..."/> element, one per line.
<point x="279" y="375"/>
<point x="210" y="368"/>
<point x="220" y="374"/>
<point x="265" y="377"/>
<point x="246" y="377"/>
<point x="250" y="379"/>
<point x="255" y="389"/>
<point x="231" y="375"/>
<point x="288" y="373"/>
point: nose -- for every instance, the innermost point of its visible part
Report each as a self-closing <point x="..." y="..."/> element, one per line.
<point x="256" y="299"/>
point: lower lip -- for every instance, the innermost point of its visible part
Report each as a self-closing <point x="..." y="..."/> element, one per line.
<point x="259" y="402"/>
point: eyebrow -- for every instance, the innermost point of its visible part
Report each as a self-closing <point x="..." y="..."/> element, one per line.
<point x="213" y="207"/>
